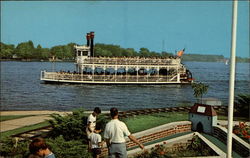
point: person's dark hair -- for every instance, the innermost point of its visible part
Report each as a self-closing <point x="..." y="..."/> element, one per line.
<point x="113" y="112"/>
<point x="36" y="145"/>
<point x="97" y="110"/>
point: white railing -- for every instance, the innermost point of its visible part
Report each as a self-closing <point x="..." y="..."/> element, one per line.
<point x="57" y="76"/>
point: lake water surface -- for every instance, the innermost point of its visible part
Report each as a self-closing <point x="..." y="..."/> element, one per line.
<point x="21" y="88"/>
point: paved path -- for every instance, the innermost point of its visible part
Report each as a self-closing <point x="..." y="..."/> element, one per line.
<point x="39" y="116"/>
<point x="21" y="122"/>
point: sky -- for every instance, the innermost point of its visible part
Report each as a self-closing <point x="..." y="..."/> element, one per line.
<point x="201" y="27"/>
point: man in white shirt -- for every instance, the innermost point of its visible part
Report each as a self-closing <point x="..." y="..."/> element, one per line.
<point x="114" y="134"/>
<point x="91" y="122"/>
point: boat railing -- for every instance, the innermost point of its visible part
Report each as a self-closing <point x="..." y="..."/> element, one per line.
<point x="130" y="61"/>
<point x="57" y="76"/>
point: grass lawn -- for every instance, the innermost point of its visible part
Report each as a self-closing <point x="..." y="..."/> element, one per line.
<point x="11" y="117"/>
<point x="143" y="122"/>
<point x="23" y="129"/>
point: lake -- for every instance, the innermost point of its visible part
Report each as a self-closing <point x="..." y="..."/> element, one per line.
<point x="21" y="88"/>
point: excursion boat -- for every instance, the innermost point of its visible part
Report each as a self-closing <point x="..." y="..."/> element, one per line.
<point x="120" y="70"/>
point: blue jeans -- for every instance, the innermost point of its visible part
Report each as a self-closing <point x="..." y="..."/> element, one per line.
<point x="118" y="150"/>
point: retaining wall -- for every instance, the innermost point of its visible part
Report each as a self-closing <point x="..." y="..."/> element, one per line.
<point x="239" y="146"/>
<point x="156" y="133"/>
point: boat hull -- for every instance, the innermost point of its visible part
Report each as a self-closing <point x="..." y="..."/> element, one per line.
<point x="110" y="83"/>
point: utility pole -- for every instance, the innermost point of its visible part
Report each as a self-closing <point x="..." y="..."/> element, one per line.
<point x="232" y="80"/>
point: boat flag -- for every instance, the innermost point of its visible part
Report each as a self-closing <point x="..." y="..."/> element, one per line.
<point x="180" y="53"/>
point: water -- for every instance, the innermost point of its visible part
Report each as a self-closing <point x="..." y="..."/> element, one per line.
<point x="21" y="88"/>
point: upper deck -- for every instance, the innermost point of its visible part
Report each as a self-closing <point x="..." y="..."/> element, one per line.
<point x="128" y="61"/>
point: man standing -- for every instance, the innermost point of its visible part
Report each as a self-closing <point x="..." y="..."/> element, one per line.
<point x="114" y="134"/>
<point x="91" y="122"/>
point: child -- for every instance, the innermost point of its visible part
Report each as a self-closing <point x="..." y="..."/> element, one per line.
<point x="39" y="148"/>
<point x="96" y="142"/>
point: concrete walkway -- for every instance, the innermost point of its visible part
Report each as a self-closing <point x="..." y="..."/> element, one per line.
<point x="38" y="117"/>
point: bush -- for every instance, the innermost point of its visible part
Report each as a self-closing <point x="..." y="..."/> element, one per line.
<point x="73" y="149"/>
<point x="243" y="131"/>
<point x="11" y="147"/>
<point x="242" y="103"/>
<point x="71" y="126"/>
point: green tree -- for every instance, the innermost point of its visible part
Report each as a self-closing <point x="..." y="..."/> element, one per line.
<point x="130" y="52"/>
<point x="25" y="50"/>
<point x="45" y="54"/>
<point x="57" y="52"/>
<point x="7" y="51"/>
<point x="199" y="90"/>
<point x="144" y="52"/>
<point x="166" y="54"/>
<point x="38" y="52"/>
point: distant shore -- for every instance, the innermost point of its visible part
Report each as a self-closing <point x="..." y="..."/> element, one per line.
<point x="37" y="112"/>
<point x="41" y="60"/>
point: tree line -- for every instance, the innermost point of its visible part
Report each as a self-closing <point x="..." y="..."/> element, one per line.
<point x="27" y="51"/>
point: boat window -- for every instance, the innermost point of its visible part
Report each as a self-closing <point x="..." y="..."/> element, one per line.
<point x="79" y="53"/>
<point x="85" y="53"/>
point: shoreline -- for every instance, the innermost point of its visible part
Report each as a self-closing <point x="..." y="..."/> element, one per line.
<point x="37" y="112"/>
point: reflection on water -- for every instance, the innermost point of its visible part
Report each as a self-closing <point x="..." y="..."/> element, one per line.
<point x="21" y="88"/>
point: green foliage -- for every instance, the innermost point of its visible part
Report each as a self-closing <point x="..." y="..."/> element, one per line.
<point x="198" y="145"/>
<point x="199" y="89"/>
<point x="243" y="131"/>
<point x="242" y="60"/>
<point x="7" y="51"/>
<point x="71" y="126"/>
<point x="201" y="57"/>
<point x="25" y="50"/>
<point x="11" y="147"/>
<point x="242" y="103"/>
<point x="73" y="148"/>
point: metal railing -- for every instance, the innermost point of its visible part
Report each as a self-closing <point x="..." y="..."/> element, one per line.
<point x="107" y="78"/>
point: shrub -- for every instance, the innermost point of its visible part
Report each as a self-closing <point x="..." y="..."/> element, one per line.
<point x="73" y="149"/>
<point x="243" y="131"/>
<point x="242" y="103"/>
<point x="11" y="147"/>
<point x="71" y="126"/>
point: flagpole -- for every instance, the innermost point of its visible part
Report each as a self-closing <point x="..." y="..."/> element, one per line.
<point x="232" y="80"/>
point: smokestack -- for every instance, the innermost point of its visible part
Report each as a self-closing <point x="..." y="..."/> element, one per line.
<point x="92" y="35"/>
<point x="88" y="39"/>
